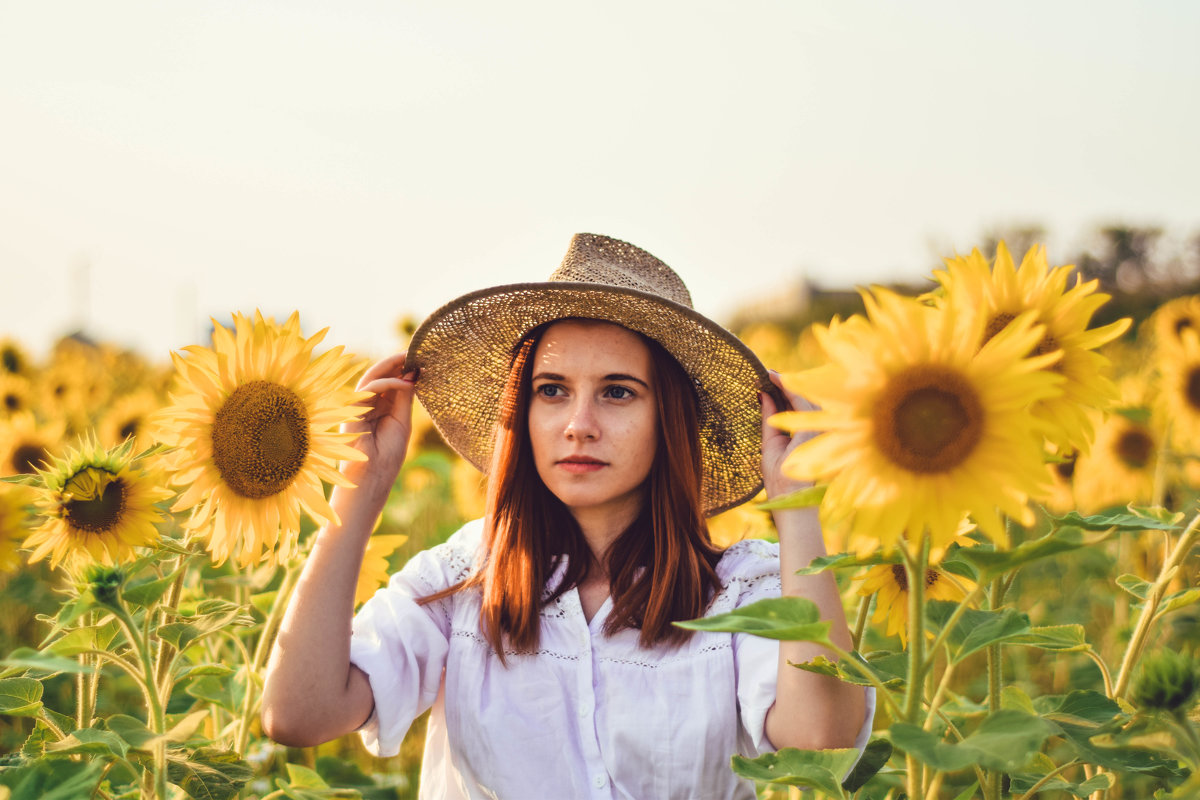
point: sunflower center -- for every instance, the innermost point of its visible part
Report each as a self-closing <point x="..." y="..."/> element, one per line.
<point x="928" y="419"/>
<point x="129" y="430"/>
<point x="1134" y="448"/>
<point x="12" y="401"/>
<point x="97" y="501"/>
<point x="900" y="576"/>
<point x="1192" y="389"/>
<point x="260" y="439"/>
<point x="1182" y="324"/>
<point x="26" y="458"/>
<point x="11" y="360"/>
<point x="1066" y="469"/>
<point x="1048" y="344"/>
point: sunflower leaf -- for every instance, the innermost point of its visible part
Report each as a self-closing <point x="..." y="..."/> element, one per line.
<point x="1021" y="784"/>
<point x="874" y="757"/>
<point x="976" y="629"/>
<point x="1136" y="414"/>
<point x="1003" y="741"/>
<point x="1138" y="587"/>
<point x="1179" y="600"/>
<point x="805" y="498"/>
<point x="1120" y="522"/>
<point x="147" y="593"/>
<point x="848" y="673"/>
<point x="209" y="773"/>
<point x="992" y="563"/>
<point x="20" y="697"/>
<point x="90" y="741"/>
<point x="793" y="619"/>
<point x="1083" y="717"/>
<point x="45" y="661"/>
<point x="843" y="561"/>
<point x="52" y="779"/>
<point x="815" y="769"/>
<point x="1061" y="638"/>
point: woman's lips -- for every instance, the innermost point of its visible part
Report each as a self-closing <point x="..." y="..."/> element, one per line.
<point x="579" y="465"/>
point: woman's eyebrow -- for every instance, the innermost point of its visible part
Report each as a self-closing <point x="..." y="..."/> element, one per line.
<point x="547" y="376"/>
<point x="620" y="376"/>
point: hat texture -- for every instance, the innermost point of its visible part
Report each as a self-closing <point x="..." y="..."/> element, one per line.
<point x="463" y="351"/>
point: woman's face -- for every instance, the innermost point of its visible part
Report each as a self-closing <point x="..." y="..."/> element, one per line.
<point x="593" y="417"/>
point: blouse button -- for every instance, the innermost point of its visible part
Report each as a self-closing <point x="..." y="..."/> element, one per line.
<point x="599" y="780"/>
<point x="584" y="710"/>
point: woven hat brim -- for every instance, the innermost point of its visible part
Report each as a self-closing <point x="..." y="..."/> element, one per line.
<point x="463" y="350"/>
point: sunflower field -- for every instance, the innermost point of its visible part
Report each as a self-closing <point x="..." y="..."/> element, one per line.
<point x="1007" y="475"/>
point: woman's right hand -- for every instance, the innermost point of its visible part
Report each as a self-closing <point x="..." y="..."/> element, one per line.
<point x="385" y="427"/>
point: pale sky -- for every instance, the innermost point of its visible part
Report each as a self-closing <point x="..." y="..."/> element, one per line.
<point x="161" y="162"/>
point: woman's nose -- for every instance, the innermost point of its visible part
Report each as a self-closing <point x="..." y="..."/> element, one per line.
<point x="581" y="424"/>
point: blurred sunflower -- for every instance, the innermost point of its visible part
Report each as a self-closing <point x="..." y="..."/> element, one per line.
<point x="469" y="488"/>
<point x="1060" y="494"/>
<point x="25" y="445"/>
<point x="255" y="422"/>
<point x="740" y="522"/>
<point x="98" y="504"/>
<point x="128" y="418"/>
<point x="889" y="584"/>
<point x="1172" y="319"/>
<point x="1004" y="292"/>
<point x="15" y="394"/>
<point x="375" y="569"/>
<point x="13" y="359"/>
<point x="921" y="425"/>
<point x="1119" y="469"/>
<point x="14" y="524"/>
<point x="1180" y="390"/>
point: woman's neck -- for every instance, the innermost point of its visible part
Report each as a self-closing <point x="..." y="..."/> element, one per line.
<point x="602" y="526"/>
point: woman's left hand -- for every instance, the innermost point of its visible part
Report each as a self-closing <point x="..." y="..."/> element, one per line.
<point x="777" y="444"/>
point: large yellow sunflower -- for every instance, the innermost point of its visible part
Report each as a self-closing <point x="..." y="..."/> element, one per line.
<point x="1120" y="467"/>
<point x="1004" y="292"/>
<point x="1179" y="367"/>
<point x="1174" y="318"/>
<point x="921" y="425"/>
<point x="98" y="504"/>
<point x="375" y="569"/>
<point x="889" y="583"/>
<point x="255" y="421"/>
<point x="26" y="445"/>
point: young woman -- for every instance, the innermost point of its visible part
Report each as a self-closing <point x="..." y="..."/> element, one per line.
<point x="612" y="419"/>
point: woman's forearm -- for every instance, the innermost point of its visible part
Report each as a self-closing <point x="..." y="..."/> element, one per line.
<point x="312" y="693"/>
<point x="811" y="712"/>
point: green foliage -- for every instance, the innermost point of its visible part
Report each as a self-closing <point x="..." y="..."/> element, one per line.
<point x="789" y="618"/>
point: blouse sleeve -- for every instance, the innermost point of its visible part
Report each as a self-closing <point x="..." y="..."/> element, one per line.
<point x="754" y="572"/>
<point x="402" y="645"/>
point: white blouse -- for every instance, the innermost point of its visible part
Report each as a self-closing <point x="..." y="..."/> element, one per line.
<point x="588" y="715"/>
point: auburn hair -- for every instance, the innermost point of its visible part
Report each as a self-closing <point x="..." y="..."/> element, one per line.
<point x="661" y="569"/>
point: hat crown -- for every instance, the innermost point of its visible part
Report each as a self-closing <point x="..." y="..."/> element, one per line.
<point x="592" y="258"/>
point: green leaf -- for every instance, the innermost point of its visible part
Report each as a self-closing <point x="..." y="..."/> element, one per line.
<point x="1120" y="522"/>
<point x="1139" y="415"/>
<point x="52" y="779"/>
<point x="874" y="757"/>
<point x="792" y="619"/>
<point x="1021" y="784"/>
<point x="42" y="661"/>
<point x="1003" y="741"/>
<point x="225" y="693"/>
<point x="805" y="498"/>
<point x="1062" y="638"/>
<point x="132" y="730"/>
<point x="91" y="741"/>
<point x="179" y="634"/>
<point x="1136" y="586"/>
<point x="20" y="697"/>
<point x="847" y="672"/>
<point x="263" y="602"/>
<point x="814" y="769"/>
<point x="209" y="773"/>
<point x="842" y="561"/>
<point x="976" y="629"/>
<point x="200" y="670"/>
<point x="1084" y="715"/>
<point x="340" y="772"/>
<point x="1014" y="697"/>
<point x="147" y="593"/>
<point x="35" y="743"/>
<point x="1178" y="600"/>
<point x="305" y="778"/>
<point x="992" y="563"/>
<point x="90" y="637"/>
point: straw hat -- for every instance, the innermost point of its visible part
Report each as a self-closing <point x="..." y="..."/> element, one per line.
<point x="464" y="349"/>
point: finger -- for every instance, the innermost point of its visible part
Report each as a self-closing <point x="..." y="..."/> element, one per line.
<point x="393" y="365"/>
<point x="381" y="385"/>
<point x="769" y="409"/>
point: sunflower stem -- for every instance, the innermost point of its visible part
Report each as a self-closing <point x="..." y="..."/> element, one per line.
<point x="165" y="610"/>
<point x="1141" y="631"/>
<point x="955" y="616"/>
<point x="994" y="667"/>
<point x="262" y="649"/>
<point x="860" y="624"/>
<point x="914" y="566"/>
<point x="156" y="715"/>
<point x="1047" y="778"/>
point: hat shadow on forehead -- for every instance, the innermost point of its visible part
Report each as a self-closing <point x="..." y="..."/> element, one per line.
<point x="464" y="349"/>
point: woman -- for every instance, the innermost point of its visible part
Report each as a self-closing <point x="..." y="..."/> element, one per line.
<point x="613" y="418"/>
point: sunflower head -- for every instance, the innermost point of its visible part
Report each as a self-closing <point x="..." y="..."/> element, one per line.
<point x="26" y="444"/>
<point x="1173" y="320"/>
<point x="889" y="584"/>
<point x="13" y="358"/>
<point x="97" y="505"/>
<point x="14" y="523"/>
<point x="255" y="421"/>
<point x="1179" y="367"/>
<point x="104" y="583"/>
<point x="1168" y="681"/>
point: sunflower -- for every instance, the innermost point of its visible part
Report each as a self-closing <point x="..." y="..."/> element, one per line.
<point x="15" y="394"/>
<point x="128" y="418"/>
<point x="255" y="422"/>
<point x="375" y="568"/>
<point x="98" y="504"/>
<point x="25" y="445"/>
<point x="740" y="522"/>
<point x="1059" y="497"/>
<point x="921" y="425"/>
<point x="1172" y="319"/>
<point x="14" y="524"/>
<point x="1004" y="292"/>
<point x="1119" y="469"/>
<point x="13" y="359"/>
<point x="889" y="582"/>
<point x="1180" y="391"/>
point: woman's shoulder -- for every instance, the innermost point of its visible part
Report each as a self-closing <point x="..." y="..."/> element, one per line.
<point x="748" y="558"/>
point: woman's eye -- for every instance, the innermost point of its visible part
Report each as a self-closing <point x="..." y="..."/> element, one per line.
<point x="549" y="390"/>
<point x="620" y="392"/>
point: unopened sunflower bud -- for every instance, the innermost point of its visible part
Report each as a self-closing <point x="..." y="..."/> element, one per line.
<point x="104" y="583"/>
<point x="1168" y="681"/>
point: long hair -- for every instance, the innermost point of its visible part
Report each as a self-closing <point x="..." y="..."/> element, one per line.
<point x="661" y="569"/>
